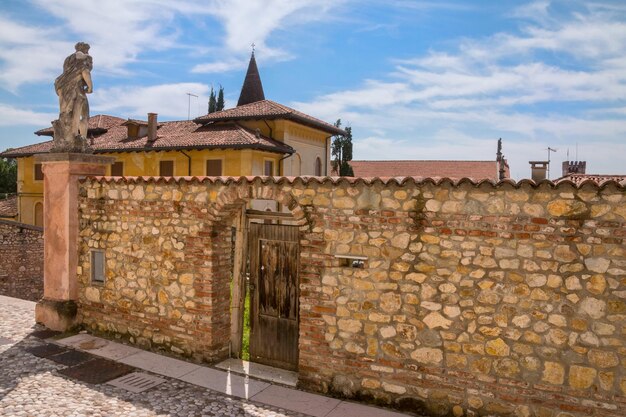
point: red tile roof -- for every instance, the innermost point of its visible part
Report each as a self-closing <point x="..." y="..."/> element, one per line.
<point x="268" y="109"/>
<point x="170" y="135"/>
<point x="98" y="124"/>
<point x="8" y="207"/>
<point x="476" y="170"/>
<point x="597" y="178"/>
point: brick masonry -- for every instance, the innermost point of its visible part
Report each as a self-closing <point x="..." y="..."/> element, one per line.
<point x="21" y="260"/>
<point x="475" y="299"/>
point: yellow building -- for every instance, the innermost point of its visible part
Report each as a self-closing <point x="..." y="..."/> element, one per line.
<point x="258" y="137"/>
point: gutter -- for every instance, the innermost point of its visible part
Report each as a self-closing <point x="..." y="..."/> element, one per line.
<point x="281" y="169"/>
<point x="268" y="126"/>
<point x="326" y="156"/>
<point x="159" y="149"/>
<point x="188" y="162"/>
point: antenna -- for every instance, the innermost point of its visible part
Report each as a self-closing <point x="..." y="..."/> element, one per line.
<point x="189" y="105"/>
<point x="577" y="151"/>
<point x="549" y="150"/>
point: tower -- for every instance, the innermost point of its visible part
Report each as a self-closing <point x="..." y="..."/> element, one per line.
<point x="252" y="89"/>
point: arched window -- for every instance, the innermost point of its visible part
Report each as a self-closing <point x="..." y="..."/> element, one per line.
<point x="318" y="167"/>
<point x="296" y="165"/>
<point x="39" y="214"/>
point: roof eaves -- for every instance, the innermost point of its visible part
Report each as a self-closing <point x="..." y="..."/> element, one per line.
<point x="255" y="146"/>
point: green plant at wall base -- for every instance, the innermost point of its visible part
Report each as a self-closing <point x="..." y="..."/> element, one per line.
<point x="245" y="344"/>
<point x="245" y="340"/>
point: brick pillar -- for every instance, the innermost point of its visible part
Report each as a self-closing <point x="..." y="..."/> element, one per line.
<point x="57" y="309"/>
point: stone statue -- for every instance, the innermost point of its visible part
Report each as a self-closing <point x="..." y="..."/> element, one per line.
<point x="72" y="87"/>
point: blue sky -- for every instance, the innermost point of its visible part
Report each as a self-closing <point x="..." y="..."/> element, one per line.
<point x="414" y="79"/>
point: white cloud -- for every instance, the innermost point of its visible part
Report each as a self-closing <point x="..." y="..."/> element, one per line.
<point x="13" y="116"/>
<point x="168" y="100"/>
<point x="456" y="104"/>
<point x="119" y="31"/>
<point x="220" y="66"/>
<point x="248" y="22"/>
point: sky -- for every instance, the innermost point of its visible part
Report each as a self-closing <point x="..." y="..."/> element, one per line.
<point x="414" y="79"/>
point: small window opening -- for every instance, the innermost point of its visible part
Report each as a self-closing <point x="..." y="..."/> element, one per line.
<point x="117" y="169"/>
<point x="97" y="266"/>
<point x="38" y="173"/>
<point x="269" y="168"/>
<point x="214" y="167"/>
<point x="166" y="168"/>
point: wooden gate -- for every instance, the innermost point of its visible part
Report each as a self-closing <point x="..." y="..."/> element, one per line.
<point x="274" y="254"/>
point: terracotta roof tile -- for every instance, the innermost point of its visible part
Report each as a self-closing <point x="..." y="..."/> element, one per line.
<point x="172" y="135"/>
<point x="353" y="180"/>
<point x="97" y="124"/>
<point x="477" y="170"/>
<point x="597" y="178"/>
<point x="268" y="109"/>
<point x="8" y="207"/>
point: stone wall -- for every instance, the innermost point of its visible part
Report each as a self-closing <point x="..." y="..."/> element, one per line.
<point x="475" y="299"/>
<point x="21" y="260"/>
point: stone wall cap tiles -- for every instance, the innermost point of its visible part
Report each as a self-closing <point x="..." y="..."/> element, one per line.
<point x="21" y="225"/>
<point x="354" y="180"/>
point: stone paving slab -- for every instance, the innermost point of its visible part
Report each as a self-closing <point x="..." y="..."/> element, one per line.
<point x="45" y="350"/>
<point x="226" y="383"/>
<point x="159" y="364"/>
<point x="303" y="402"/>
<point x="97" y="371"/>
<point x="100" y="347"/>
<point x="257" y="370"/>
<point x="71" y="358"/>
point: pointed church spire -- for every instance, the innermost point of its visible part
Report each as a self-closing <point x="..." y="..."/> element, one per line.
<point x="252" y="90"/>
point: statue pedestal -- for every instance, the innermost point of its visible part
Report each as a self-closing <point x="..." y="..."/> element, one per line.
<point x="62" y="171"/>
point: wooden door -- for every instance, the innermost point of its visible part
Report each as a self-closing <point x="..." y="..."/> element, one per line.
<point x="274" y="254"/>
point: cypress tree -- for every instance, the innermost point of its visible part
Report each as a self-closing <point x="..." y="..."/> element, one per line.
<point x="220" y="100"/>
<point x="212" y="102"/>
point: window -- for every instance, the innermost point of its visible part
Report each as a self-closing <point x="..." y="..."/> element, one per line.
<point x="39" y="214"/>
<point x="166" y="168"/>
<point x="38" y="173"/>
<point x="318" y="167"/>
<point x="269" y="168"/>
<point x="117" y="169"/>
<point x="214" y="167"/>
<point x="97" y="266"/>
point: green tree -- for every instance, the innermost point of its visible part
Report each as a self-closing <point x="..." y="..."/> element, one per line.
<point x="220" y="100"/>
<point x="212" y="102"/>
<point x="341" y="152"/>
<point x="8" y="176"/>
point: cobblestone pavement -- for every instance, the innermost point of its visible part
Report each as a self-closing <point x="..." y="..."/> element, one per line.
<point x="32" y="386"/>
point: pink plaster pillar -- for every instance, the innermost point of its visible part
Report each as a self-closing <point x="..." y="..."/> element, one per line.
<point x="57" y="310"/>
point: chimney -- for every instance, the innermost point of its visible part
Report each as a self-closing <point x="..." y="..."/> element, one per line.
<point x="152" y="127"/>
<point x="574" y="167"/>
<point x="538" y="170"/>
